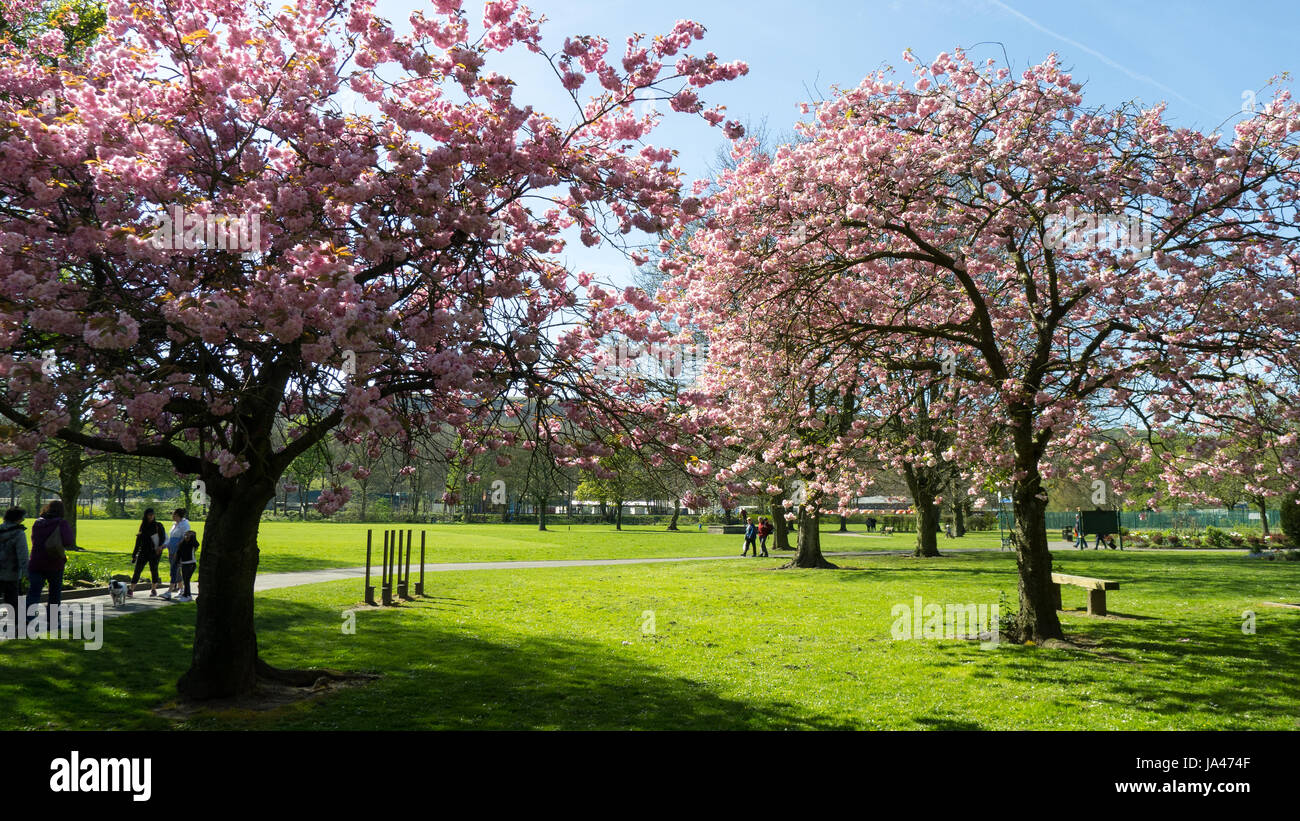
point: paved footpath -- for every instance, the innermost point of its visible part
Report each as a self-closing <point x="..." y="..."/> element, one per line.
<point x="142" y="601"/>
<point x="274" y="581"/>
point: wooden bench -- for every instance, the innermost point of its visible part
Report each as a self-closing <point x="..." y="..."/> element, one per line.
<point x="1096" y="591"/>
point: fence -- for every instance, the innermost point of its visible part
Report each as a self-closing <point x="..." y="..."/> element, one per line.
<point x="1175" y="520"/>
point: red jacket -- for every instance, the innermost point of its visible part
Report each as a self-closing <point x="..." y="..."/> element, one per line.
<point x="42" y="562"/>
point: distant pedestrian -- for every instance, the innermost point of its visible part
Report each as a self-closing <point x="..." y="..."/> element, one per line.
<point x="51" y="539"/>
<point x="188" y="559"/>
<point x="149" y="540"/>
<point x="1080" y="541"/>
<point x="764" y="530"/>
<point x="180" y="526"/>
<point x="751" y="536"/>
<point x="13" y="555"/>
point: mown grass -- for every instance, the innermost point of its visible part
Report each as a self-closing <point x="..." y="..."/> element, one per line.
<point x="299" y="546"/>
<point x="734" y="645"/>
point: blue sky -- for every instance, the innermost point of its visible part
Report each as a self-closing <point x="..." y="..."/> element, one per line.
<point x="1200" y="57"/>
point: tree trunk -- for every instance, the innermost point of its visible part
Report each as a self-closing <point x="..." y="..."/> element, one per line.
<point x="810" y="547"/>
<point x="541" y="515"/>
<point x="225" y="659"/>
<point x="920" y="485"/>
<point x="780" y="527"/>
<point x="618" y="516"/>
<point x="1038" y="620"/>
<point x="677" y="512"/>
<point x="1262" y="504"/>
<point x="958" y="517"/>
<point x="844" y="523"/>
<point x="927" y="526"/>
<point x="70" y="484"/>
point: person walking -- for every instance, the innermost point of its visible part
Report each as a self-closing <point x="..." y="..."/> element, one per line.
<point x="764" y="530"/>
<point x="1080" y="541"/>
<point x="188" y="559"/>
<point x="148" y="550"/>
<point x="751" y="537"/>
<point x="52" y="537"/>
<point x="180" y="526"/>
<point x="13" y="556"/>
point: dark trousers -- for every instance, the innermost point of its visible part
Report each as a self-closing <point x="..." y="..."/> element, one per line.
<point x="146" y="557"/>
<point x="762" y="542"/>
<point x="36" y="581"/>
<point x="9" y="593"/>
<point x="188" y="569"/>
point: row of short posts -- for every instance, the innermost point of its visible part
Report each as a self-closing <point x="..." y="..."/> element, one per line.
<point x="395" y="568"/>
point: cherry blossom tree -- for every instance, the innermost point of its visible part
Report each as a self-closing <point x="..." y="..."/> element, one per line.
<point x="235" y="267"/>
<point x="1065" y="262"/>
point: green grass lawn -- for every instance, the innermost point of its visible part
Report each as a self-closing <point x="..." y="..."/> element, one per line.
<point x="736" y="645"/>
<point x="297" y="546"/>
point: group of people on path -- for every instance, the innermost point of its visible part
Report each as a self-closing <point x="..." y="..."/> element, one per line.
<point x="52" y="537"/>
<point x="756" y="533"/>
<point x="181" y="546"/>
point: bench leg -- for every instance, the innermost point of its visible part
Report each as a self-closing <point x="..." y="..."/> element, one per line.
<point x="1056" y="596"/>
<point x="1096" y="602"/>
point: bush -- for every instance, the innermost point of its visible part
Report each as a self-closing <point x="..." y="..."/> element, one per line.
<point x="1215" y="537"/>
<point x="1158" y="538"/>
<point x="80" y="568"/>
<point x="1291" y="518"/>
<point x="1256" y="543"/>
<point x="1291" y="556"/>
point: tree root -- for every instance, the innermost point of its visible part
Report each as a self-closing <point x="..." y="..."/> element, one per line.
<point x="820" y="564"/>
<point x="306" y="678"/>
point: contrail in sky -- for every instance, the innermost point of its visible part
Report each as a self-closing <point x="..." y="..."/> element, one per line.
<point x="1108" y="61"/>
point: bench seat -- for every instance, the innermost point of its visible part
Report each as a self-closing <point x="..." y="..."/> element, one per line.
<point x="1096" y="590"/>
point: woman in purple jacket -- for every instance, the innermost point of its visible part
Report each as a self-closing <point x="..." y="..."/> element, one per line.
<point x="45" y="565"/>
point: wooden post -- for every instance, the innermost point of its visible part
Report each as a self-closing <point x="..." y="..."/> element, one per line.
<point x="403" y="579"/>
<point x="370" y="590"/>
<point x="419" y="586"/>
<point x="1096" y="602"/>
<point x="387" y="594"/>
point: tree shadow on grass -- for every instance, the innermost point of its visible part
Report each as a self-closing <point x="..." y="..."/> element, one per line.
<point x="1217" y="673"/>
<point x="946" y="723"/>
<point x="434" y="676"/>
<point x="439" y="676"/>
